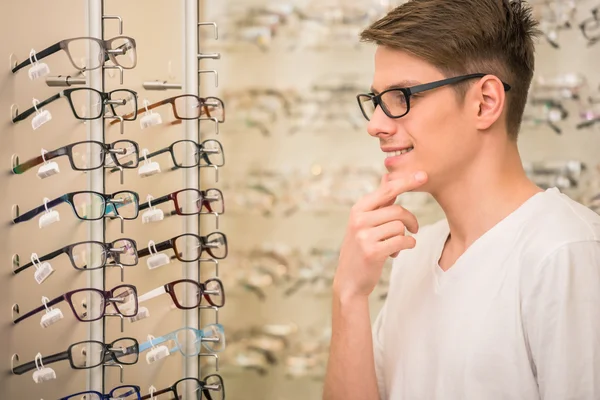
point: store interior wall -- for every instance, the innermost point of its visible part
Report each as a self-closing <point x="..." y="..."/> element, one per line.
<point x="319" y="149"/>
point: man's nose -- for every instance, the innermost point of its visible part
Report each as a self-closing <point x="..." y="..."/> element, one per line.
<point x="380" y="124"/>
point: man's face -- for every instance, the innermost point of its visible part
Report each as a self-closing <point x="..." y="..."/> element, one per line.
<point x="437" y="127"/>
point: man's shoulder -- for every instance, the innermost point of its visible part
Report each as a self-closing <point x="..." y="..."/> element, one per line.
<point x="557" y="221"/>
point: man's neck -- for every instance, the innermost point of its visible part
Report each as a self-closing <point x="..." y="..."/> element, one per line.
<point x="488" y="192"/>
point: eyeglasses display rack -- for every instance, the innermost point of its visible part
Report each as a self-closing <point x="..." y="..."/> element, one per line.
<point x="108" y="222"/>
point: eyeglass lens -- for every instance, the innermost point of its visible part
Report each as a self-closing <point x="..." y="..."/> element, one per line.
<point x="78" y="50"/>
<point x="190" y="201"/>
<point x="394" y="102"/>
<point x="127" y="56"/>
<point x="88" y="205"/>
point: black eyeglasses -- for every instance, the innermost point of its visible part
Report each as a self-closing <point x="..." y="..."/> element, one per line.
<point x="90" y="304"/>
<point x="90" y="354"/>
<point x="211" y="387"/>
<point x="395" y="102"/>
<point x="91" y="206"/>
<point x="88" y="53"/>
<point x="88" y="104"/>
<point x="82" y="255"/>
<point x="189" y="154"/>
<point x="125" y="392"/>
<point x="189" y="247"/>
<point x="89" y="155"/>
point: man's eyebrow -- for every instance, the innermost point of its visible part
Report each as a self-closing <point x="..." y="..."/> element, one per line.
<point x="401" y="84"/>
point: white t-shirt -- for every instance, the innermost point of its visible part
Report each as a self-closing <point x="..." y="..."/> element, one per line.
<point x="517" y="317"/>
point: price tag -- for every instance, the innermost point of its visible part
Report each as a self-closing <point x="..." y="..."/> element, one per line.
<point x="158" y="260"/>
<point x="51" y="317"/>
<point x="47" y="170"/>
<point x="143" y="313"/>
<point x="42" y="272"/>
<point x="43" y="375"/>
<point x="154" y="215"/>
<point x="40" y="119"/>
<point x="49" y="218"/>
<point x="39" y="70"/>
<point x="157" y="353"/>
<point x="150" y="120"/>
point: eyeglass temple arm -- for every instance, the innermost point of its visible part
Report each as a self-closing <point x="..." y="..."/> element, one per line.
<point x="449" y="81"/>
<point x="47" y="257"/>
<point x="167" y="244"/>
<point x="40" y="309"/>
<point x="155" y="394"/>
<point x="152" y="294"/>
<point x="42" y="54"/>
<point x="589" y="123"/>
<point x="140" y="110"/>
<point x="27" y="165"/>
<point x="156" y="341"/>
<point x="36" y="211"/>
<point x="28" y="112"/>
<point x="159" y="200"/>
<point x="21" y="369"/>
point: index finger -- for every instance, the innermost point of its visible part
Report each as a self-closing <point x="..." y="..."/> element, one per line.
<point x="389" y="190"/>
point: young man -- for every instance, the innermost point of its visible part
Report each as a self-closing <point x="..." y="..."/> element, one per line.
<point x="502" y="299"/>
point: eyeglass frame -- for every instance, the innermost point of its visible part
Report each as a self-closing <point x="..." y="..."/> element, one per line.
<point x="109" y="396"/>
<point x="105" y="96"/>
<point x="67" y="297"/>
<point x="109" y="352"/>
<point x="168" y="288"/>
<point x="170" y="244"/>
<point x="64" y="45"/>
<point x="108" y="249"/>
<point x="200" y="334"/>
<point x="408" y="92"/>
<point x="108" y="199"/>
<point x="108" y="148"/>
<point x="201" y="383"/>
<point x="173" y="196"/>
<point x="171" y="100"/>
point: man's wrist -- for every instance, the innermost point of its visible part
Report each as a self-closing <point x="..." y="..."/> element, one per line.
<point x="347" y="296"/>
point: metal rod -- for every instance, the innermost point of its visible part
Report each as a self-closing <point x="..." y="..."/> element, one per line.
<point x="95" y="182"/>
<point x="64" y="81"/>
<point x="213" y="56"/>
<point x="190" y="175"/>
<point x="161" y="85"/>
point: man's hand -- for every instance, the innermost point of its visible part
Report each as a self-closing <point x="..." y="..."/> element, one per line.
<point x="376" y="231"/>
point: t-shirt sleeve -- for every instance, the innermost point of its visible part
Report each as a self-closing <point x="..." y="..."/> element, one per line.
<point x="561" y="316"/>
<point x="378" y="352"/>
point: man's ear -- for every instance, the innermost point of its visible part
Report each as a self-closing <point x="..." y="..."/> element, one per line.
<point x="490" y="99"/>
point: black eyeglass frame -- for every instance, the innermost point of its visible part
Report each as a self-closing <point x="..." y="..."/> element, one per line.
<point x="67" y="93"/>
<point x="68" y="198"/>
<point x="64" y="45"/>
<point x="408" y="92"/>
<point x="107" y="148"/>
<point x="109" y="355"/>
<point x="202" y="383"/>
<point x="110" y="252"/>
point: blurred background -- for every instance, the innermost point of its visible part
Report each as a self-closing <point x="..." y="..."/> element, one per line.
<point x="298" y="157"/>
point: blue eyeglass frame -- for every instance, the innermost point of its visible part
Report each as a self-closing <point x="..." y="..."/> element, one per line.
<point x="200" y="333"/>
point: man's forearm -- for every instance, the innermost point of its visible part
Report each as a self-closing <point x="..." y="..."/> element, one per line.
<point x="351" y="367"/>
